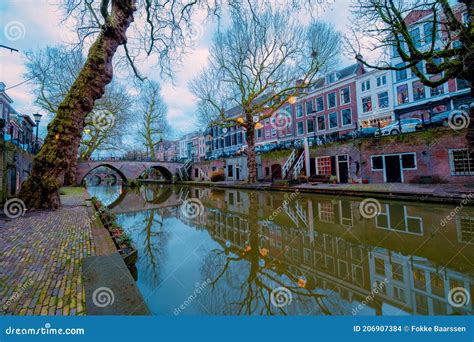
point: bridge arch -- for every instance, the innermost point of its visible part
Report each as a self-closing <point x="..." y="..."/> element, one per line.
<point x="94" y="179"/>
<point x="111" y="167"/>
<point x="163" y="170"/>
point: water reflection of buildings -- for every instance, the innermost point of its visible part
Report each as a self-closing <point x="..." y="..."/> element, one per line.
<point x="327" y="241"/>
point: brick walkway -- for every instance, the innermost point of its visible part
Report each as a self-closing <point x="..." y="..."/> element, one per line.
<point x="40" y="260"/>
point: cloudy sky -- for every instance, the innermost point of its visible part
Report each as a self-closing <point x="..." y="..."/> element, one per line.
<point x="35" y="24"/>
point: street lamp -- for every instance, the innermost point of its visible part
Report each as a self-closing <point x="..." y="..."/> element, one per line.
<point x="37" y="117"/>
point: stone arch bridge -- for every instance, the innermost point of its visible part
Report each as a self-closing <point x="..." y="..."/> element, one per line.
<point x="127" y="170"/>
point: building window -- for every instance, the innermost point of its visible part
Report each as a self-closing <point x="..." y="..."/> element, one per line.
<point x="415" y="36"/>
<point x="288" y="110"/>
<point x="402" y="94"/>
<point x="320" y="104"/>
<point x="409" y="161"/>
<point x="377" y="163"/>
<point x="333" y="120"/>
<point x="418" y="91"/>
<point x="259" y="133"/>
<point x="321" y="123"/>
<point x="300" y="128"/>
<point x="461" y="162"/>
<point x="323" y="165"/>
<point x="365" y="85"/>
<point x="309" y="107"/>
<point x="239" y="137"/>
<point x="274" y="132"/>
<point x="397" y="271"/>
<point x="346" y="95"/>
<point x="381" y="80"/>
<point x="331" y="78"/>
<point x="332" y="100"/>
<point x="428" y="32"/>
<point x="346" y="116"/>
<point x="367" y="104"/>
<point x="309" y="126"/>
<point x="230" y="170"/>
<point x="435" y="91"/>
<point x="267" y="133"/>
<point x="299" y="110"/>
<point x="461" y="84"/>
<point x="379" y="266"/>
<point x="401" y="74"/>
<point x="383" y="100"/>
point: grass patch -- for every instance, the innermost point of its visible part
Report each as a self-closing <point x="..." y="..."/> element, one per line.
<point x="71" y="190"/>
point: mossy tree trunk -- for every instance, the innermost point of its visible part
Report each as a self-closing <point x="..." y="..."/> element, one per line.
<point x="59" y="151"/>
<point x="251" y="155"/>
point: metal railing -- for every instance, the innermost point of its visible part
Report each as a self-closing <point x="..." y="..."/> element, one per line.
<point x="298" y="166"/>
<point x="288" y="164"/>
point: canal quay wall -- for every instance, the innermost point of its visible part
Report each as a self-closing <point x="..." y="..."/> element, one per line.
<point x="15" y="166"/>
<point x="421" y="157"/>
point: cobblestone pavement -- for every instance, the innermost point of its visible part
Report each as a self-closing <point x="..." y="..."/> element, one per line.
<point x="40" y="260"/>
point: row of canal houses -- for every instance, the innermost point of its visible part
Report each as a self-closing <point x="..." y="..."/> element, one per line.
<point x="354" y="97"/>
<point x="342" y="101"/>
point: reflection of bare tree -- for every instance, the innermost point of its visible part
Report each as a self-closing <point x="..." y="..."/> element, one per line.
<point x="154" y="239"/>
<point x="243" y="280"/>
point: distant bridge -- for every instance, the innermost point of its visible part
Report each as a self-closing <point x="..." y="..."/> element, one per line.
<point x="127" y="170"/>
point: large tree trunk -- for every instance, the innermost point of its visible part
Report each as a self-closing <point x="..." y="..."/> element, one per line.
<point x="251" y="156"/>
<point x="59" y="151"/>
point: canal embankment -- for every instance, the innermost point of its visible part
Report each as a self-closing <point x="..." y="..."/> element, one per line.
<point x="59" y="262"/>
<point x="436" y="193"/>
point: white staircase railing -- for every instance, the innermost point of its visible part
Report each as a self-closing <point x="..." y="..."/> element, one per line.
<point x="287" y="166"/>
<point x="291" y="214"/>
<point x="301" y="213"/>
<point x="298" y="166"/>
<point x="183" y="172"/>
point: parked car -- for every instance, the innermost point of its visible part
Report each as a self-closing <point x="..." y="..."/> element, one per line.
<point x="364" y="132"/>
<point x="407" y="125"/>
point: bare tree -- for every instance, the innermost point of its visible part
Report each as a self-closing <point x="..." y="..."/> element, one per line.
<point x="52" y="71"/>
<point x="153" y="125"/>
<point x="163" y="28"/>
<point x="264" y="59"/>
<point x="446" y="45"/>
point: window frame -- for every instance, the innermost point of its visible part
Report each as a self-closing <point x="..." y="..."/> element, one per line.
<point x="335" y="100"/>
<point x="329" y="120"/>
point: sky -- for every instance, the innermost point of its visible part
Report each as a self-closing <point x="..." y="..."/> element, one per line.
<point x="35" y="24"/>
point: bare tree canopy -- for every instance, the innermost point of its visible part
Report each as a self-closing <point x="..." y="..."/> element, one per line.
<point x="153" y="125"/>
<point x="439" y="33"/>
<point x="52" y="72"/>
<point x="262" y="60"/>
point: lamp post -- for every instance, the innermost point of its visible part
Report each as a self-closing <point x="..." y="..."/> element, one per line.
<point x="37" y="117"/>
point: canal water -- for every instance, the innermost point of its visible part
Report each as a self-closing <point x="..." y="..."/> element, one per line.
<point x="210" y="251"/>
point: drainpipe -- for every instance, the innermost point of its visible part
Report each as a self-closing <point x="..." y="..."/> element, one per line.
<point x="306" y="157"/>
